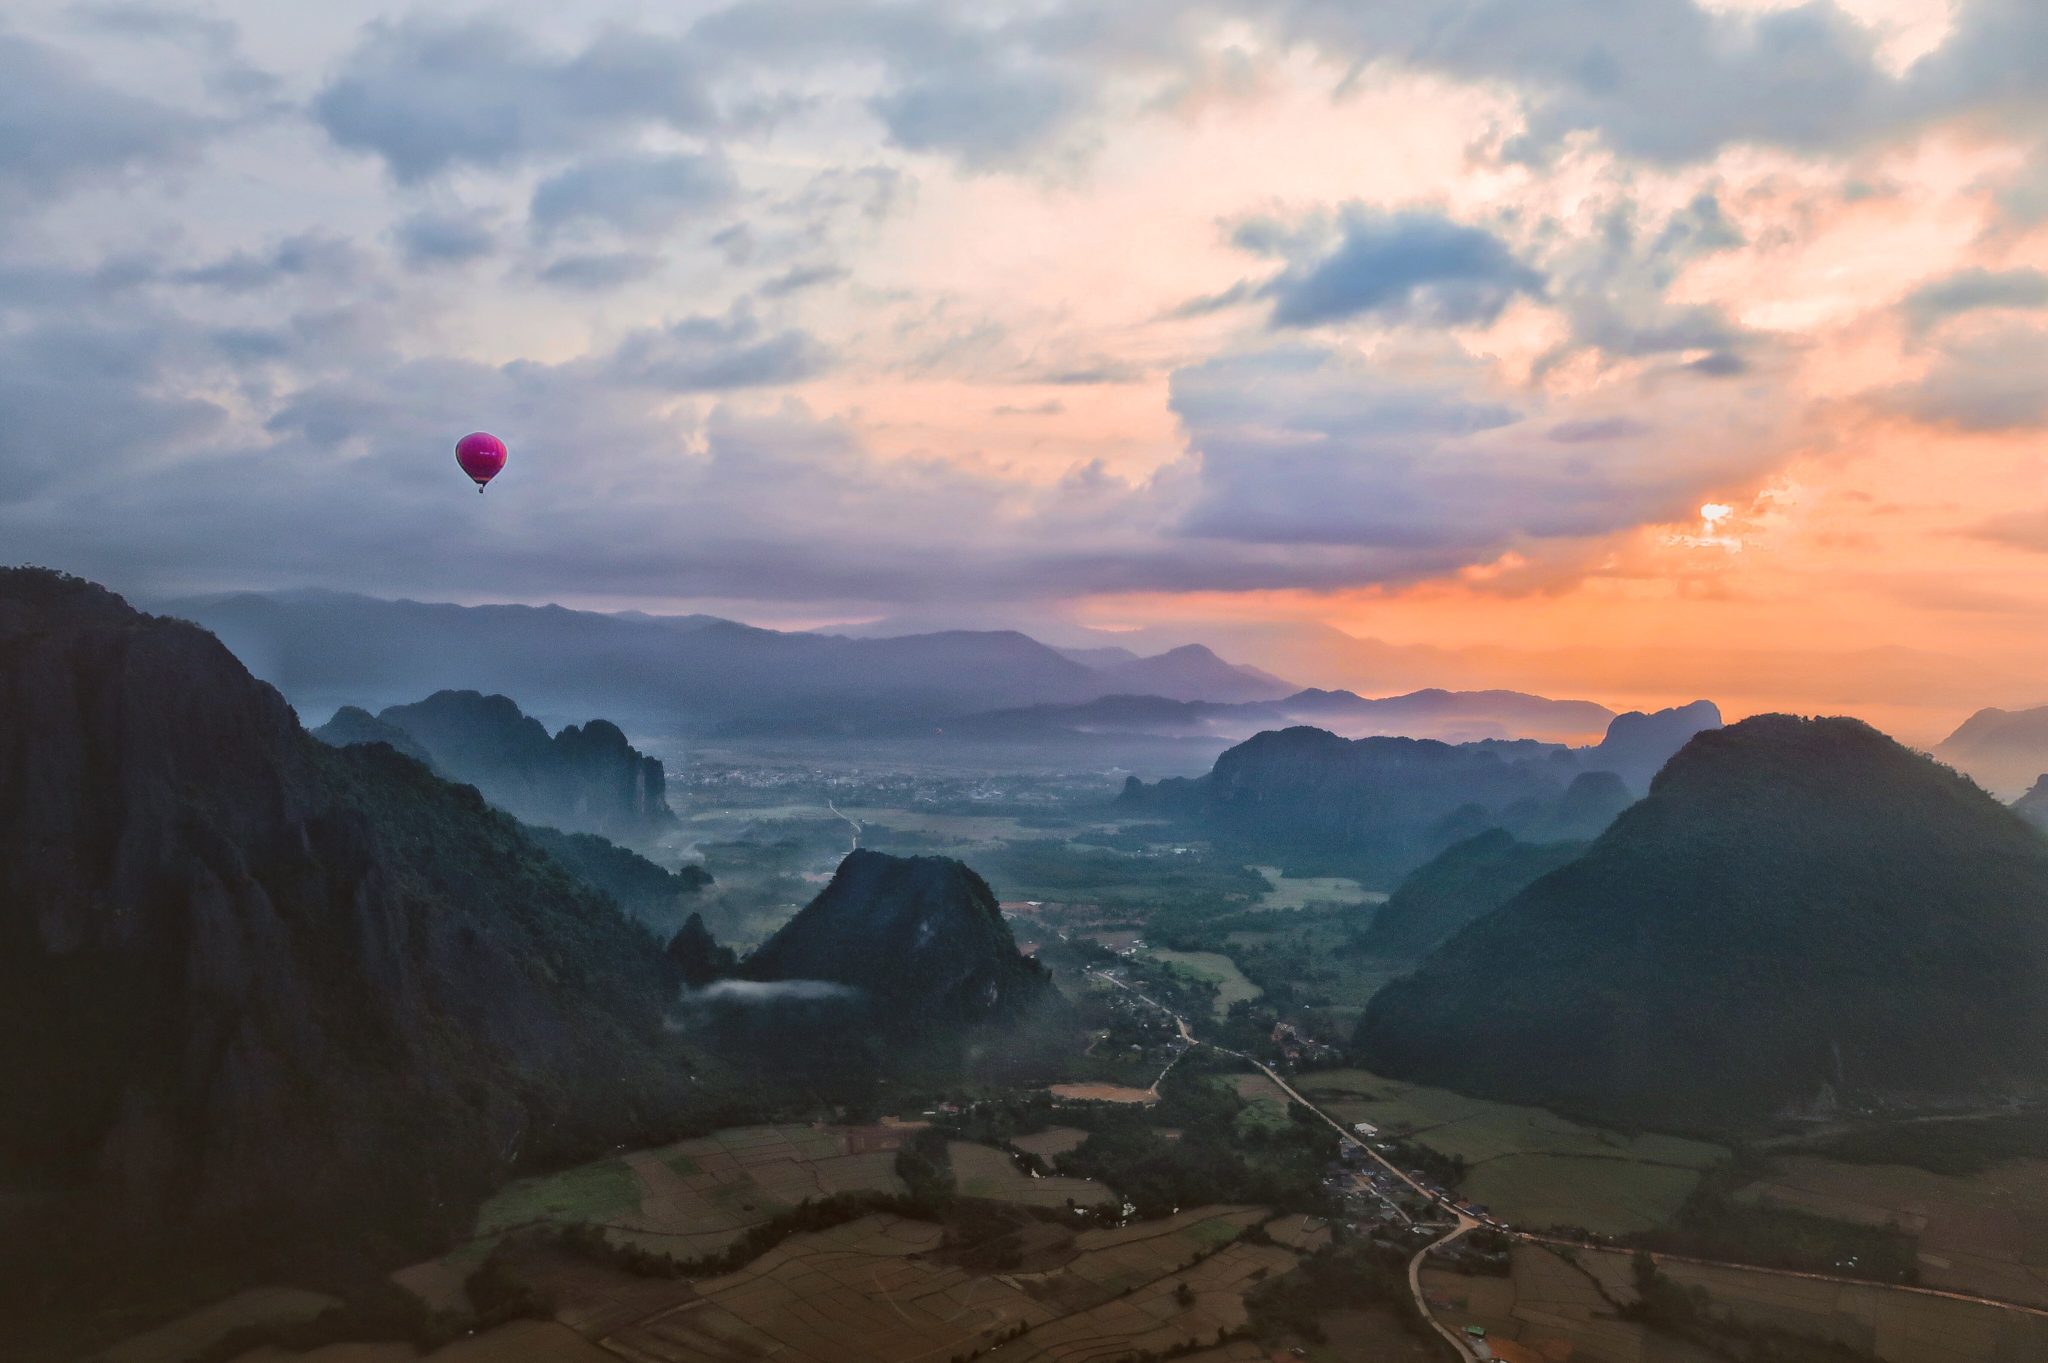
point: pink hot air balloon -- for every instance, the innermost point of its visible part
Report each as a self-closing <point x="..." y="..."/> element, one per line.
<point x="482" y="456"/>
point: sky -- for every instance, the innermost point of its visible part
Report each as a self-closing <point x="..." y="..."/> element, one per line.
<point x="1626" y="349"/>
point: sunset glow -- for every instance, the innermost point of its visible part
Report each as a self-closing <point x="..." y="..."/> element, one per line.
<point x="1701" y="354"/>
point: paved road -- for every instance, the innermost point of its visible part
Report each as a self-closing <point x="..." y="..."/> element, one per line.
<point x="1466" y="1223"/>
<point x="851" y="820"/>
<point x="1463" y="1223"/>
<point x="1662" y="1256"/>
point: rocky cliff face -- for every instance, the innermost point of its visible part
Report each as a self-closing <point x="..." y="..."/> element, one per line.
<point x="585" y="779"/>
<point x="920" y="937"/>
<point x="259" y="995"/>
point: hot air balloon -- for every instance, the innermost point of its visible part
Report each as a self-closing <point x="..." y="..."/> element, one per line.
<point x="481" y="455"/>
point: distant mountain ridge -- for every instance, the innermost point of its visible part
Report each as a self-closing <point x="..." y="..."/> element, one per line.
<point x="2003" y="750"/>
<point x="1800" y="908"/>
<point x="1379" y="807"/>
<point x="1448" y="716"/>
<point x="327" y="649"/>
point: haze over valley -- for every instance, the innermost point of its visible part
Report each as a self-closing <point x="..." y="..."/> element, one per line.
<point x="981" y="681"/>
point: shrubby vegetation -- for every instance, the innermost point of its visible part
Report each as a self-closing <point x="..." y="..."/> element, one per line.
<point x="1959" y="1148"/>
<point x="1689" y="1314"/>
<point x="1217" y="1158"/>
<point x="1714" y="1225"/>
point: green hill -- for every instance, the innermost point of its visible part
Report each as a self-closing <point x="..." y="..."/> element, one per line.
<point x="1467" y="881"/>
<point x="1798" y="904"/>
<point x="920" y="937"/>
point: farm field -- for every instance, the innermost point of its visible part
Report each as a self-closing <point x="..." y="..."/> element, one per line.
<point x="1547" y="1309"/>
<point x="1897" y="1327"/>
<point x="1986" y="1233"/>
<point x="1313" y="892"/>
<point x="181" y="1338"/>
<point x="1102" y="1093"/>
<point x="984" y="1171"/>
<point x="884" y="1288"/>
<point x="1218" y="969"/>
<point x="697" y="1196"/>
<point x="1054" y="1140"/>
<point x="959" y="830"/>
<point x="521" y="1341"/>
<point x="1532" y="1167"/>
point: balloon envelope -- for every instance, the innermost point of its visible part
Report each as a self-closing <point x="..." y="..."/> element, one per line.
<point x="481" y="455"/>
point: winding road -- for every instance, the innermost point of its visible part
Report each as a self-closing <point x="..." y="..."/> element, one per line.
<point x="1465" y="1224"/>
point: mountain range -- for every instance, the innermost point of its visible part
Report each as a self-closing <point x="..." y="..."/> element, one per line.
<point x="701" y="674"/>
<point x="1800" y="909"/>
<point x="1377" y="808"/>
<point x="326" y="649"/>
<point x="277" y="1009"/>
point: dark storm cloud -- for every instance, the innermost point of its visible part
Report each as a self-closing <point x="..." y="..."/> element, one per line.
<point x="639" y="194"/>
<point x="1400" y="266"/>
<point x="428" y="96"/>
<point x="1974" y="290"/>
<point x="60" y="127"/>
<point x="429" y="239"/>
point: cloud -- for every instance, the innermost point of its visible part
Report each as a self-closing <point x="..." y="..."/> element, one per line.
<point x="1409" y="266"/>
<point x="61" y="128"/>
<point x="1973" y="290"/>
<point x="1988" y="384"/>
<point x="1597" y="428"/>
<point x="798" y="278"/>
<point x="87" y="401"/>
<point x="1612" y="285"/>
<point x="599" y="271"/>
<point x="2018" y="529"/>
<point x="758" y="992"/>
<point x="986" y="116"/>
<point x="1425" y="456"/>
<point x="428" y="96"/>
<point x="709" y="354"/>
<point x="638" y="194"/>
<point x="430" y="239"/>
<point x="306" y="255"/>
